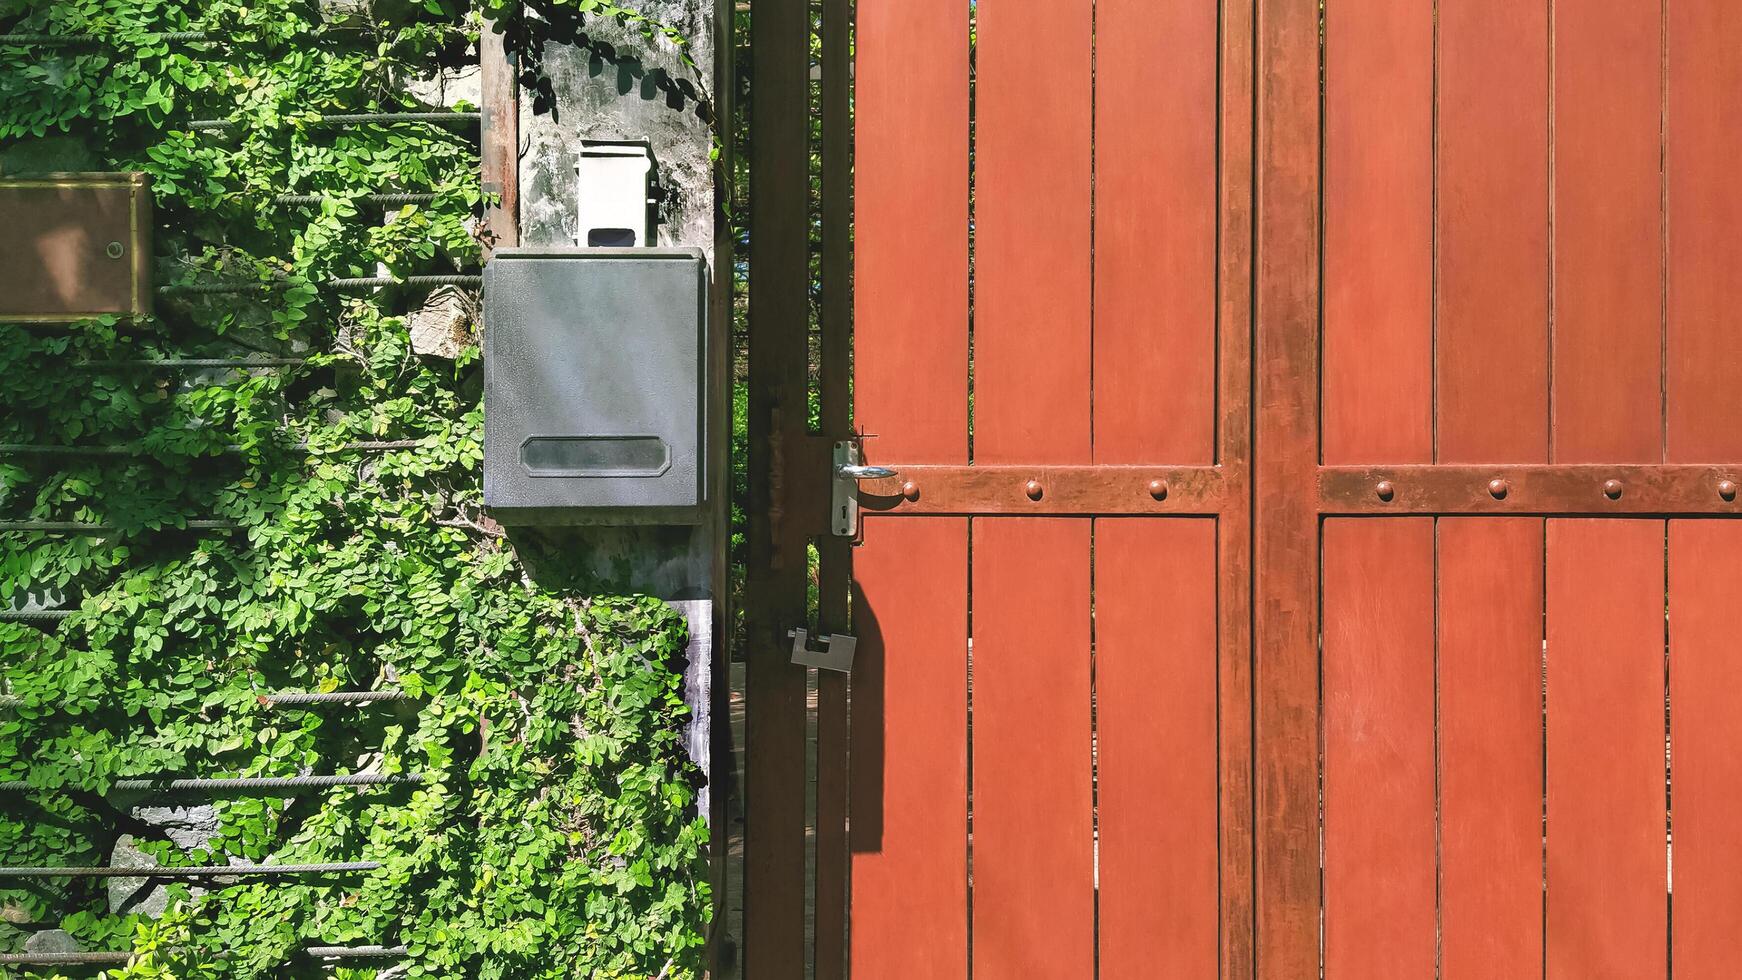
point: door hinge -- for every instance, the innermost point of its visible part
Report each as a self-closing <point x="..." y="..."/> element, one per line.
<point x="837" y="652"/>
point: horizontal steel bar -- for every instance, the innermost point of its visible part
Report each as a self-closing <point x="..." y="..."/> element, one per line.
<point x="358" y="119"/>
<point x="34" y="615"/>
<point x="118" y="957"/>
<point x="192" y="363"/>
<point x="384" y="200"/>
<point x="209" y="871"/>
<point x="360" y="282"/>
<point x="1572" y="489"/>
<point x="245" y="783"/>
<point x="21" y="449"/>
<point x="94" y="41"/>
<point x="331" y="697"/>
<point x="1043" y="490"/>
<point x="91" y="527"/>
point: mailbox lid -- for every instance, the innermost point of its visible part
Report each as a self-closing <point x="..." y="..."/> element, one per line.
<point x="594" y="385"/>
<point x="78" y="246"/>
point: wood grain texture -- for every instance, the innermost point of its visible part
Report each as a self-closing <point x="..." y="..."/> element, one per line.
<point x="499" y="142"/>
<point x="1704" y="346"/>
<point x="1705" y="671"/>
<point x="1155" y="232"/>
<point x="1490" y="746"/>
<point x="1032" y="212"/>
<point x="909" y="792"/>
<point x="1285" y="541"/>
<point x="910" y="289"/>
<point x="1379" y="748"/>
<point x="1034" y="899"/>
<point x="1378" y="247"/>
<point x="1607" y="876"/>
<point x="1492" y="224"/>
<point x="1608" y="263"/>
<point x="1155" y="683"/>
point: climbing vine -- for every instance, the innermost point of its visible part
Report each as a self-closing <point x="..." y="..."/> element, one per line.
<point x="547" y="826"/>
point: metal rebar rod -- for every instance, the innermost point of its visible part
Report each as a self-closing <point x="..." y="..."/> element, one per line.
<point x="371" y="282"/>
<point x="385" y="200"/>
<point x="24" y="449"/>
<point x="209" y="871"/>
<point x="360" y="282"/>
<point x="34" y="615"/>
<point x="93" y="41"/>
<point x="249" y="782"/>
<point x="10" y="700"/>
<point x="91" y="527"/>
<point x="192" y="363"/>
<point x="332" y="697"/>
<point x="354" y="952"/>
<point x="358" y="119"/>
<point x="123" y="958"/>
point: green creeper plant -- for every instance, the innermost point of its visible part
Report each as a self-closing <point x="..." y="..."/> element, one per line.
<point x="554" y="831"/>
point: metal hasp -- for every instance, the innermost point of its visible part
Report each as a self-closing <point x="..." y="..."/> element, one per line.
<point x="848" y="471"/>
<point x="837" y="652"/>
<point x="595" y="386"/>
<point x="80" y="246"/>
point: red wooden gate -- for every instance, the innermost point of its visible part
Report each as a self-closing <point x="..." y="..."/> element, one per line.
<point x="1344" y="654"/>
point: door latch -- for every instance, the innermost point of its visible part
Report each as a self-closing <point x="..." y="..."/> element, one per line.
<point x="837" y="652"/>
<point x="849" y="470"/>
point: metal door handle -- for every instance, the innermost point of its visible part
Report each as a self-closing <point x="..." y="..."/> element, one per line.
<point x="865" y="472"/>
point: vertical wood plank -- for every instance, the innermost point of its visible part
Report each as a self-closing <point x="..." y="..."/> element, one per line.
<point x="1704" y="369"/>
<point x="1379" y="748"/>
<point x="1034" y="900"/>
<point x="1608" y="263"/>
<point x="1492" y="226"/>
<point x="1705" y="562"/>
<point x="909" y="833"/>
<point x="1379" y="219"/>
<point x="910" y="277"/>
<point x="499" y="140"/>
<point x="1606" y="810"/>
<point x="1032" y="211"/>
<point x="1285" y="541"/>
<point x="1155" y="683"/>
<point x="1234" y="525"/>
<point x="908" y="792"/>
<point x="775" y="690"/>
<point x="1155" y="232"/>
<point x="1490" y="753"/>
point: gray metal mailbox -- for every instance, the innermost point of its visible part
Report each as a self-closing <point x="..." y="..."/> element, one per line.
<point x="595" y="385"/>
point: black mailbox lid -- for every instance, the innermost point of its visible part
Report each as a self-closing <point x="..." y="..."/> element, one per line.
<point x="594" y="383"/>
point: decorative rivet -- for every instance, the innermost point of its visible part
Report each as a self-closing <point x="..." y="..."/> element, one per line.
<point x="1612" y="489"/>
<point x="1158" y="489"/>
<point x="116" y="250"/>
<point x="1727" y="489"/>
<point x="910" y="490"/>
<point x="1034" y="490"/>
<point x="1498" y="489"/>
<point x="1385" y="490"/>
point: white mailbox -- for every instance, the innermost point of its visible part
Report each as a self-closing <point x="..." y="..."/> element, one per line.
<point x="617" y="182"/>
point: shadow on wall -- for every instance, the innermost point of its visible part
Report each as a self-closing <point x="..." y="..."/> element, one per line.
<point x="527" y="38"/>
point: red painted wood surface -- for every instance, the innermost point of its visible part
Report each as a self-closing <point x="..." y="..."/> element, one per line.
<point x="1156" y="210"/>
<point x="1493" y="226"/>
<point x="909" y="796"/>
<point x="1704" y="348"/>
<point x="1607" y="872"/>
<point x="1379" y="876"/>
<point x="1032" y="211"/>
<point x="1608" y="232"/>
<point x="1705" y="672"/>
<point x="1378" y="242"/>
<point x="1490" y="752"/>
<point x="911" y="231"/>
<point x="1033" y="859"/>
<point x="1155" y="683"/>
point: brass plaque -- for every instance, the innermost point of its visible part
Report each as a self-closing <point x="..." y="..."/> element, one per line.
<point x="74" y="246"/>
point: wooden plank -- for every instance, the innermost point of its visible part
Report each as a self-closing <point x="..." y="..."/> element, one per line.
<point x="1285" y="564"/>
<point x="1490" y="746"/>
<point x="1155" y="232"/>
<point x="1033" y="858"/>
<point x="775" y="690"/>
<point x="1234" y="525"/>
<point x="1703" y="348"/>
<point x="1608" y="262"/>
<point x="1378" y="199"/>
<point x="1032" y="210"/>
<point x="1379" y="748"/>
<point x="1607" y="875"/>
<point x="1492" y="226"/>
<point x="1569" y="488"/>
<point x="910" y="291"/>
<point x="499" y="140"/>
<point x="909" y="833"/>
<point x="1705" y="671"/>
<point x="1155" y="684"/>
